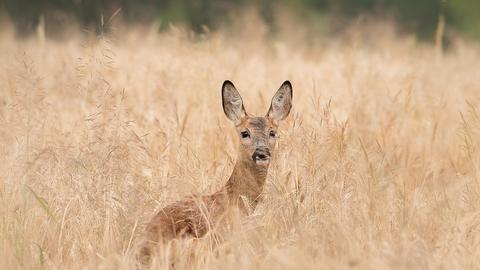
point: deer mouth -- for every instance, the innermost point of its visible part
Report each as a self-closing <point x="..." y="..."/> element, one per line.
<point x="261" y="157"/>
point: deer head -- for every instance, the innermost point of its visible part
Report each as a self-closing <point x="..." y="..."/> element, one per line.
<point x="257" y="135"/>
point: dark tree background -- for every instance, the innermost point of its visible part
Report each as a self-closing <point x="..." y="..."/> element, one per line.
<point x="417" y="16"/>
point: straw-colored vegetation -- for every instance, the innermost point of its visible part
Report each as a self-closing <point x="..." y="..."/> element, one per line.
<point x="378" y="165"/>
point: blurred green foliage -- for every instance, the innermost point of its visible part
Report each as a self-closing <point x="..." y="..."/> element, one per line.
<point x="417" y="16"/>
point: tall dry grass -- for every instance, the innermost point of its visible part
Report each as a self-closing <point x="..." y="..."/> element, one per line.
<point x="377" y="167"/>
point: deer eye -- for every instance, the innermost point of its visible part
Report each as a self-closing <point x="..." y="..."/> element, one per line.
<point x="245" y="134"/>
<point x="272" y="134"/>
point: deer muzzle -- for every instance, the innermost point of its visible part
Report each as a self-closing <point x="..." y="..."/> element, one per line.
<point x="261" y="156"/>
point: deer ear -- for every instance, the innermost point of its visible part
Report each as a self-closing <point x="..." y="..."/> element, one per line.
<point x="232" y="102"/>
<point x="281" y="102"/>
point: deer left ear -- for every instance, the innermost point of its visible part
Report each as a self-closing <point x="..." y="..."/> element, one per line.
<point x="232" y="102"/>
<point x="281" y="102"/>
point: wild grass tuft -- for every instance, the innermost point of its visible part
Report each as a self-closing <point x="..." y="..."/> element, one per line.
<point x="377" y="167"/>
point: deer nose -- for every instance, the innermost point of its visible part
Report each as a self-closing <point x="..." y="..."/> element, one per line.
<point x="261" y="156"/>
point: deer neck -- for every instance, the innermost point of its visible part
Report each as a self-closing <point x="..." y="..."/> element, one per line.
<point x="247" y="181"/>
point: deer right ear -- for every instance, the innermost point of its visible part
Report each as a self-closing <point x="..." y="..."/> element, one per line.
<point x="281" y="102"/>
<point x="232" y="102"/>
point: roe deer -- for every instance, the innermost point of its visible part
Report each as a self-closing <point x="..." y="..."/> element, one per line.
<point x="195" y="216"/>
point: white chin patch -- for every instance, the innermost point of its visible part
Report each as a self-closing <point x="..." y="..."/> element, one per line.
<point x="262" y="161"/>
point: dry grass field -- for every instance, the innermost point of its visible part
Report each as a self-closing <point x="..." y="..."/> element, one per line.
<point x="377" y="167"/>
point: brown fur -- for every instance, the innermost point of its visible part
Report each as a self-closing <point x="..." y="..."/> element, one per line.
<point x="195" y="216"/>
